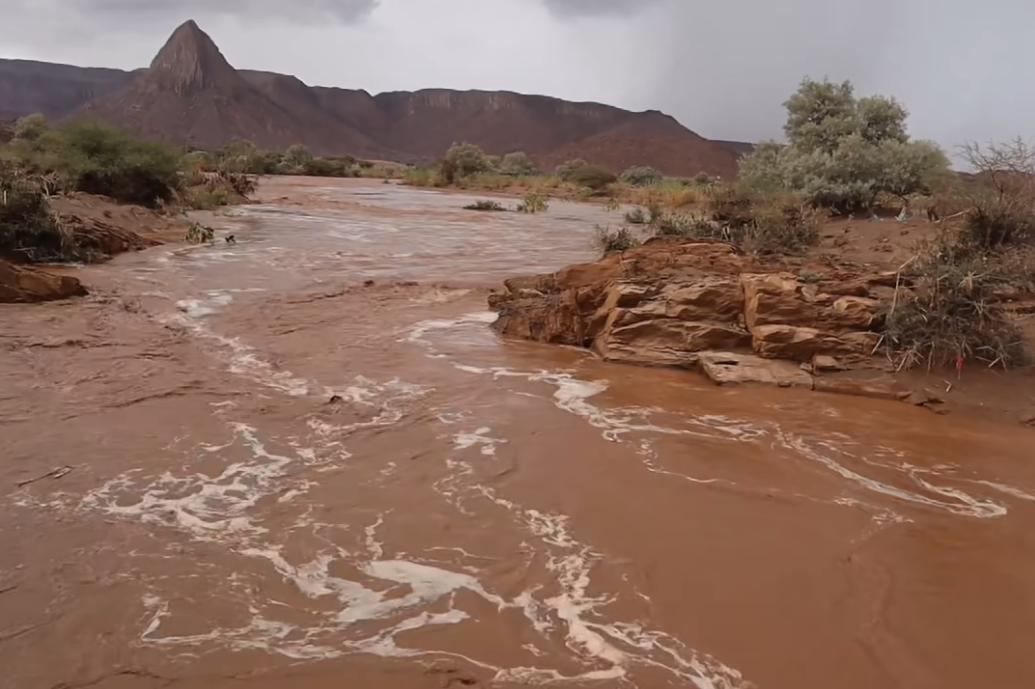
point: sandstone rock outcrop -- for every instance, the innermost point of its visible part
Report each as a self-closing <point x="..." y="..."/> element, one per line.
<point x="26" y="284"/>
<point x="703" y="305"/>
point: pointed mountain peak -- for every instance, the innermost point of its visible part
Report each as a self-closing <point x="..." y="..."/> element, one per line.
<point x="190" y="61"/>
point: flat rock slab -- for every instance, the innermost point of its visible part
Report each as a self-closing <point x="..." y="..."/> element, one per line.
<point x="727" y="368"/>
<point x="883" y="387"/>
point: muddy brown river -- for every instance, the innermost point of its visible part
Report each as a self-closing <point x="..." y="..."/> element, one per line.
<point x="469" y="511"/>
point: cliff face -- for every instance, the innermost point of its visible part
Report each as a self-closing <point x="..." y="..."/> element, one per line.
<point x="191" y="95"/>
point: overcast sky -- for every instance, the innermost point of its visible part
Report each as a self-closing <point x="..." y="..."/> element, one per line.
<point x="722" y="67"/>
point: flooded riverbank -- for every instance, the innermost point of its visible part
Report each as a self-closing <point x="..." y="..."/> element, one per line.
<point x="469" y="511"/>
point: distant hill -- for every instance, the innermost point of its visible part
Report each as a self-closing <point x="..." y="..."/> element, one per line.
<point x="191" y="95"/>
<point x="741" y="148"/>
<point x="55" y="90"/>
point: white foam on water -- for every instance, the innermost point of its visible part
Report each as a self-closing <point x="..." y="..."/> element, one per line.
<point x="389" y="398"/>
<point x="199" y="308"/>
<point x="618" y="645"/>
<point x="962" y="504"/>
<point x="243" y="360"/>
<point x="574" y="396"/>
<point x="375" y="547"/>
<point x="480" y="438"/>
<point x="1007" y="490"/>
<point x="417" y="333"/>
<point x="452" y="417"/>
<point x="207" y="507"/>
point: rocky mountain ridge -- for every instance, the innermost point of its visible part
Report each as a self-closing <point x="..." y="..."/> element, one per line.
<point x="191" y="95"/>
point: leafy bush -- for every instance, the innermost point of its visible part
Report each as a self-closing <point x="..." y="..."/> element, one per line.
<point x="951" y="311"/>
<point x="567" y="169"/>
<point x="641" y="176"/>
<point x="534" y="203"/>
<point x="611" y="241"/>
<point x="636" y="217"/>
<point x="592" y="177"/>
<point x="297" y="157"/>
<point x="422" y="177"/>
<point x="329" y="167"/>
<point x="30" y="127"/>
<point x="97" y="159"/>
<point x="517" y="164"/>
<point x="844" y="151"/>
<point x="101" y="160"/>
<point x="464" y="160"/>
<point x="490" y="206"/>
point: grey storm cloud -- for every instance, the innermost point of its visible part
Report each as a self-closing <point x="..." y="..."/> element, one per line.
<point x="722" y="68"/>
<point x="581" y="8"/>
<point x="301" y="11"/>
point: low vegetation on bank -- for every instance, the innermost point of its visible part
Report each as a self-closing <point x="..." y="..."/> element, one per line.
<point x="844" y="156"/>
<point x="244" y="157"/>
<point x="42" y="160"/>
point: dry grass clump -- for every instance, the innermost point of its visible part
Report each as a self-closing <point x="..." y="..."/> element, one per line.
<point x="952" y="312"/>
<point x="610" y="240"/>
<point x="485" y="206"/>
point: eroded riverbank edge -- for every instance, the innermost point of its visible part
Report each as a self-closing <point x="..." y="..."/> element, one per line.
<point x="740" y="320"/>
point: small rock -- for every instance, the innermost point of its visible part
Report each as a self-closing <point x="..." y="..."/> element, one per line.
<point x="823" y="363"/>
<point x="336" y="399"/>
<point x="924" y="398"/>
<point x="725" y="368"/>
<point x="876" y="388"/>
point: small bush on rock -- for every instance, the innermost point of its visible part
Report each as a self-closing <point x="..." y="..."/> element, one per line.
<point x="779" y="226"/>
<point x="951" y="312"/>
<point x="610" y="241"/>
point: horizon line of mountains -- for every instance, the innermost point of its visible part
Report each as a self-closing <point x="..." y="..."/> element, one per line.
<point x="190" y="95"/>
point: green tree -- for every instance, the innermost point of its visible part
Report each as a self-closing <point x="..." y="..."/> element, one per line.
<point x="820" y="114"/>
<point x="842" y="151"/>
<point x="31" y="127"/>
<point x="297" y="156"/>
<point x="98" y="159"/>
<point x="518" y="164"/>
<point x="464" y="160"/>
